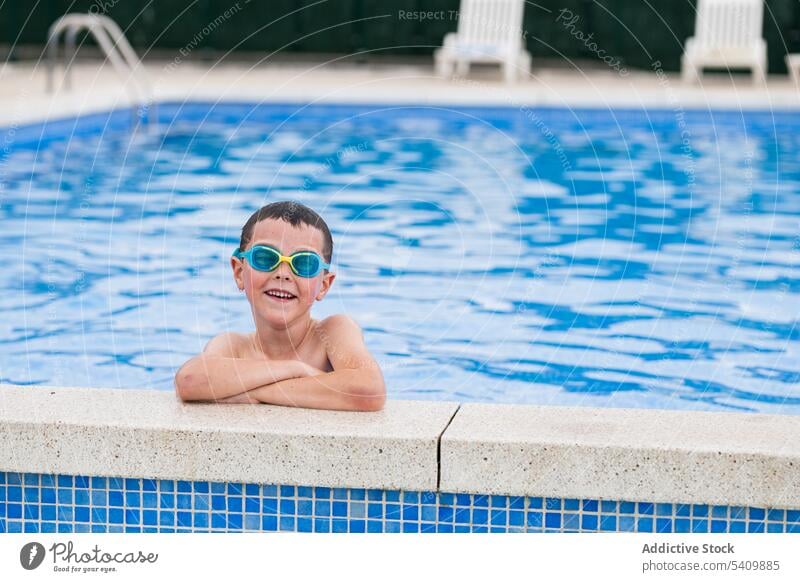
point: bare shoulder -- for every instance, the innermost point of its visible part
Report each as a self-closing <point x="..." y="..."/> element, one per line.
<point x="341" y="324"/>
<point x="344" y="342"/>
<point x="228" y="344"/>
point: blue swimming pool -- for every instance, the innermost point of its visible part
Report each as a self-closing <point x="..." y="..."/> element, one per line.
<point x="549" y="256"/>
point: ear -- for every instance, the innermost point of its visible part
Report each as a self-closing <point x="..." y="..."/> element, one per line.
<point x="327" y="281"/>
<point x="236" y="265"/>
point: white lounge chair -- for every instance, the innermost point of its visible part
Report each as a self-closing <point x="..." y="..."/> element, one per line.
<point x="489" y="31"/>
<point x="727" y="33"/>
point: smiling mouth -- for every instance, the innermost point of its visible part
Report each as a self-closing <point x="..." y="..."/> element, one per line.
<point x="280" y="296"/>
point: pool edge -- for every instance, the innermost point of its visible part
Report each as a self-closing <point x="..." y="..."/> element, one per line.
<point x="606" y="453"/>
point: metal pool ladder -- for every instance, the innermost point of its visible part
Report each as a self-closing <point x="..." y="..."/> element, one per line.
<point x="115" y="47"/>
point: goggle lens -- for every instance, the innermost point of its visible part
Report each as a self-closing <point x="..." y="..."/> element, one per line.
<point x="264" y="259"/>
<point x="306" y="265"/>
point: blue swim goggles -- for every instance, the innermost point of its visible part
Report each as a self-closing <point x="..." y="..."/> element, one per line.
<point x="265" y="258"/>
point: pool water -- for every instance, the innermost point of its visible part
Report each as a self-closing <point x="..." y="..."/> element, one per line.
<point x="518" y="255"/>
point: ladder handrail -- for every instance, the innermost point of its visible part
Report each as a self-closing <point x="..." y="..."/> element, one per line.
<point x="112" y="42"/>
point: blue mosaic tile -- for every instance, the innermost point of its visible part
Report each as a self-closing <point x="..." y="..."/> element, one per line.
<point x="499" y="517"/>
<point x="534" y="519"/>
<point x="410" y="497"/>
<point x="737" y="512"/>
<point x="553" y="504"/>
<point x="776" y="515"/>
<point x="375" y="510"/>
<point x="49" y="512"/>
<point x="99" y="498"/>
<point x="322" y="508"/>
<point x="645" y="508"/>
<point x="411" y="513"/>
<point x="357" y="510"/>
<point x="719" y="512"/>
<point x="552" y="520"/>
<point x="251" y="522"/>
<point x="462" y="515"/>
<point x="64" y="504"/>
<point x="571" y="521"/>
<point x="608" y="523"/>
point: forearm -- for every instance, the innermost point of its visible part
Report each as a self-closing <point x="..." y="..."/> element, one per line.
<point x="345" y="389"/>
<point x="218" y="378"/>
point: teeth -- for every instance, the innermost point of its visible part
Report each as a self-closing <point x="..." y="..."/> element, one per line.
<point x="280" y="294"/>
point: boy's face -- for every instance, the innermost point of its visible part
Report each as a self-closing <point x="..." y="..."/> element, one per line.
<point x="287" y="239"/>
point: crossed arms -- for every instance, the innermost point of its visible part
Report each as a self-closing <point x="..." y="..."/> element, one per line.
<point x="356" y="382"/>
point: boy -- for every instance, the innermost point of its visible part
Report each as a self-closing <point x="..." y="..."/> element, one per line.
<point x="282" y="264"/>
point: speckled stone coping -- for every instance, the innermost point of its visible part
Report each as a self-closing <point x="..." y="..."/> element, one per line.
<point x="632" y="454"/>
<point x="152" y="434"/>
<point x="566" y="452"/>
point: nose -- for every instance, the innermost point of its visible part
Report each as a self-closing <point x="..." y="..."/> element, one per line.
<point x="283" y="270"/>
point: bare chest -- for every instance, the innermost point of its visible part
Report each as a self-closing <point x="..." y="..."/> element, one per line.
<point x="312" y="352"/>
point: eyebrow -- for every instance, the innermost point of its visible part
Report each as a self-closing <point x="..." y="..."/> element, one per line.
<point x="303" y="248"/>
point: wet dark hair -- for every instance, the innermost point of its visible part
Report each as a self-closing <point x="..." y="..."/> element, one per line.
<point x="294" y="213"/>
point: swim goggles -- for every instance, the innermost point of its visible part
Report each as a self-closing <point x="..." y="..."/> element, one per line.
<point x="264" y="258"/>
